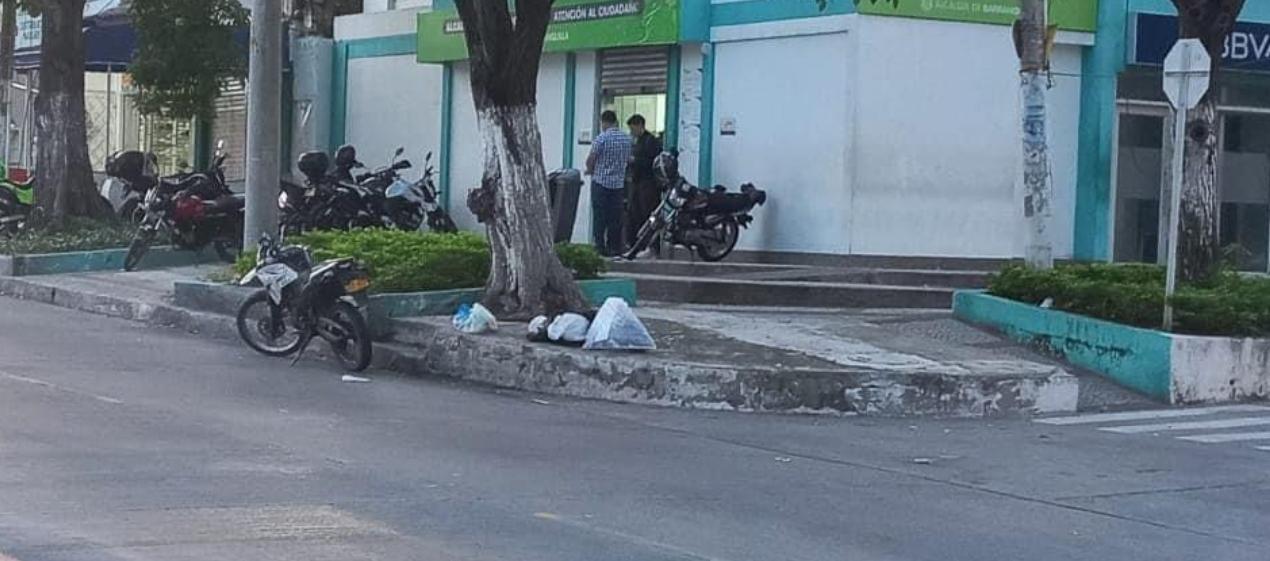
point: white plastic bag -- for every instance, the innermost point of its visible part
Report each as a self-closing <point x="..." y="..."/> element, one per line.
<point x="474" y="319"/>
<point x="617" y="329"/>
<point x="568" y="328"/>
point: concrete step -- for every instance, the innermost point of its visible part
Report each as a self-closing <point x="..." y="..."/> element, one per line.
<point x="762" y="272"/>
<point x="725" y="291"/>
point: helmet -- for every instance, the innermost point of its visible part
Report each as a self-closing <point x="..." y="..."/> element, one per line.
<point x="666" y="168"/>
<point x="346" y="157"/>
<point x="314" y="164"/>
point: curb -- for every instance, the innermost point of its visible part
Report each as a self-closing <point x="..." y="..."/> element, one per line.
<point x="100" y="260"/>
<point x="426" y="348"/>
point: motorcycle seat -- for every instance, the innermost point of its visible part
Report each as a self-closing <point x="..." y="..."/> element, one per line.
<point x="227" y="204"/>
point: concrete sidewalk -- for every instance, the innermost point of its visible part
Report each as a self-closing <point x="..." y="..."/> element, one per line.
<point x="762" y="359"/>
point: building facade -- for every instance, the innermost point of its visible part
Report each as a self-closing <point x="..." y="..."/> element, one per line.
<point x="877" y="129"/>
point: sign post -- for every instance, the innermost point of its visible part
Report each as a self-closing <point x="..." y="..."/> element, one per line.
<point x="1187" y="71"/>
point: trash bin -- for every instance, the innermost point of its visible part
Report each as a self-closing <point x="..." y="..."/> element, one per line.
<point x="564" y="186"/>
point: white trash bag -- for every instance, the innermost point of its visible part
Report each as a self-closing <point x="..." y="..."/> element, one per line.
<point x="569" y="328"/>
<point x="474" y="319"/>
<point x="617" y="329"/>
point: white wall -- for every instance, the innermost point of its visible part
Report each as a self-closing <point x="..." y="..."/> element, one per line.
<point x="393" y="102"/>
<point x="466" y="162"/>
<point x="370" y="6"/>
<point x="374" y="23"/>
<point x="938" y="157"/>
<point x="584" y="123"/>
<point x="790" y="99"/>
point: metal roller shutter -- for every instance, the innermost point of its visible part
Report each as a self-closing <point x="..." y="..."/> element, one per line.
<point x="231" y="126"/>
<point x="634" y="71"/>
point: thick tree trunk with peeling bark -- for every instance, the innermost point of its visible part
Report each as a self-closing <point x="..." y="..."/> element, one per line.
<point x="64" y="176"/>
<point x="1210" y="21"/>
<point x="527" y="277"/>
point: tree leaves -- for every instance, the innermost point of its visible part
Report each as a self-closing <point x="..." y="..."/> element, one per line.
<point x="185" y="53"/>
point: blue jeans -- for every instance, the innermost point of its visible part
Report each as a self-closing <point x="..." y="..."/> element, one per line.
<point x="607" y="206"/>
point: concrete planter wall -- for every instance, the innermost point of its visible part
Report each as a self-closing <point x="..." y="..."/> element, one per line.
<point x="101" y="260"/>
<point x="1178" y="369"/>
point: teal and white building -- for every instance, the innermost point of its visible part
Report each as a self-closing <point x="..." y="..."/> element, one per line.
<point x="877" y="130"/>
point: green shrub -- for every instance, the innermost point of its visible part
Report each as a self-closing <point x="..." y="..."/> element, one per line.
<point x="78" y="234"/>
<point x="1228" y="304"/>
<point x="416" y="262"/>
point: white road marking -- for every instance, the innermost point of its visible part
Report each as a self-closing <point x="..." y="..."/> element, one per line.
<point x="1263" y="448"/>
<point x="52" y="386"/>
<point x="1227" y="437"/>
<point x="1153" y="414"/>
<point x="1196" y="425"/>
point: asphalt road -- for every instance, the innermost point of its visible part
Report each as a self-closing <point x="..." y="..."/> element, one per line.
<point x="119" y="442"/>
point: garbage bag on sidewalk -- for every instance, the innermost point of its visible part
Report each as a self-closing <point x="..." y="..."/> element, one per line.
<point x="617" y="329"/>
<point x="569" y="328"/>
<point x="538" y="329"/>
<point x="474" y="319"/>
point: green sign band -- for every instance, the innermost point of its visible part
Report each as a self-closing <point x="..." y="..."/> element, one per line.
<point x="1071" y="15"/>
<point x="575" y="25"/>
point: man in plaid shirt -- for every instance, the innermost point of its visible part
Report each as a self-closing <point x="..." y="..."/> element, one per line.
<point x="610" y="153"/>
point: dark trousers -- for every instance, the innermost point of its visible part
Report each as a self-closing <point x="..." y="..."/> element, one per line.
<point x="606" y="206"/>
<point x="642" y="201"/>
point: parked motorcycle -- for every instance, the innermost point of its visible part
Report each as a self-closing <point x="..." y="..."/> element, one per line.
<point x="299" y="301"/>
<point x="196" y="211"/>
<point x="707" y="222"/>
<point x="334" y="198"/>
<point x="126" y="197"/>
<point x="17" y="203"/>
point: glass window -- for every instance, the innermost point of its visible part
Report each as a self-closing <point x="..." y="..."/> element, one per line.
<point x="1245" y="189"/>
<point x="1138" y="176"/>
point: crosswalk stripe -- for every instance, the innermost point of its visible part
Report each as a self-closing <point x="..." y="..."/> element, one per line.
<point x="1227" y="437"/>
<point x="1196" y="425"/>
<point x="1150" y="415"/>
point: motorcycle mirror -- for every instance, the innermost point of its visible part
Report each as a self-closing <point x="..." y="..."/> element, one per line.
<point x="400" y="150"/>
<point x="220" y="144"/>
<point x="428" y="158"/>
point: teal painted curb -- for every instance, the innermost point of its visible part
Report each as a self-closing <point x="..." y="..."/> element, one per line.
<point x="1139" y="359"/>
<point x="101" y="260"/>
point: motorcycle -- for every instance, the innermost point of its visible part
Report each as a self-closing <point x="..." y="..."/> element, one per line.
<point x="408" y="206"/>
<point x="300" y="301"/>
<point x="381" y="198"/>
<point x="126" y="197"/>
<point x="17" y="203"/>
<point x="706" y="222"/>
<point x="196" y="211"/>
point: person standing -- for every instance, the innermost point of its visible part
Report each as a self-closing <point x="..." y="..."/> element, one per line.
<point x="644" y="194"/>
<point x="610" y="153"/>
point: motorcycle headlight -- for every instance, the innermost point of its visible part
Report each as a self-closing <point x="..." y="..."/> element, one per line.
<point x="283" y="200"/>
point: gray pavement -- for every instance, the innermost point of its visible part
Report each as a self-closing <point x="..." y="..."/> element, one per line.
<point x="121" y="442"/>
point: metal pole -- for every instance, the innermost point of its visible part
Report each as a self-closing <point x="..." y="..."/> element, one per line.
<point x="110" y="107"/>
<point x="1037" y="190"/>
<point x="264" y="120"/>
<point x="1175" y="200"/>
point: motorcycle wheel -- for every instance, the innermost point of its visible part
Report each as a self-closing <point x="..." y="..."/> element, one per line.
<point x="263" y="327"/>
<point x="440" y="222"/>
<point x="350" y="338"/>
<point x="642" y="241"/>
<point x="722" y="241"/>
<point x="138" y="248"/>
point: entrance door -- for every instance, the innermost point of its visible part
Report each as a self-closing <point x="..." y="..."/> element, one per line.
<point x="1138" y="174"/>
<point x="1244" y="178"/>
<point x="634" y="81"/>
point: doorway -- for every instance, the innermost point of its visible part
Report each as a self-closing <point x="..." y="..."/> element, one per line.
<point x="635" y="81"/>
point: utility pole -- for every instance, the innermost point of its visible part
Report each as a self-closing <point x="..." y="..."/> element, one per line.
<point x="1032" y="39"/>
<point x="8" y="40"/>
<point x="264" y="121"/>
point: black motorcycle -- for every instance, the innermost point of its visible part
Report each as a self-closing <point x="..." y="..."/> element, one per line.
<point x="707" y="222"/>
<point x="300" y="301"/>
<point x="195" y="210"/>
<point x="407" y="206"/>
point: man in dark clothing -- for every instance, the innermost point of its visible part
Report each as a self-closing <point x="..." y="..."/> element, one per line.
<point x="643" y="192"/>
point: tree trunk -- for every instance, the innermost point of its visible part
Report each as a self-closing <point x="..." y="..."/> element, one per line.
<point x="1197" y="244"/>
<point x="526" y="277"/>
<point x="1210" y="21"/>
<point x="1037" y="192"/>
<point x="8" y="41"/>
<point x="64" y="176"/>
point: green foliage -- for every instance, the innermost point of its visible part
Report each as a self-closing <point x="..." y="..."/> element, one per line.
<point x="417" y="262"/>
<point x="78" y="234"/>
<point x="1228" y="304"/>
<point x="185" y="53"/>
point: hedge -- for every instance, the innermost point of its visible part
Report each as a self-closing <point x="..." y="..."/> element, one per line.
<point x="419" y="262"/>
<point x="1230" y="304"/>
<point x="78" y="234"/>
